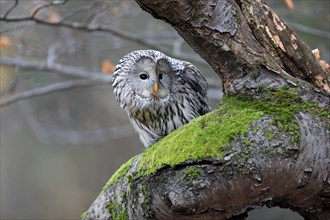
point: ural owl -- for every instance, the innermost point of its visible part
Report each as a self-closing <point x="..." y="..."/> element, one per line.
<point x="159" y="93"/>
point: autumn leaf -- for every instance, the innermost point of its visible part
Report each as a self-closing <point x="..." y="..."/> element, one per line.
<point x="5" y="42"/>
<point x="289" y="3"/>
<point x="316" y="53"/>
<point x="54" y="17"/>
<point x="107" y="67"/>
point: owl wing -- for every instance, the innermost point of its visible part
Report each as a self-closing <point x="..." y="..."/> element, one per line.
<point x="198" y="85"/>
<point x="195" y="79"/>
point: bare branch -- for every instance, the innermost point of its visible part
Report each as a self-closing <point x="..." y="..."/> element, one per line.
<point x="56" y="87"/>
<point x="19" y="26"/>
<point x="37" y="10"/>
<point x="83" y="27"/>
<point x="77" y="11"/>
<point x="310" y="30"/>
<point x="63" y="135"/>
<point x="91" y="26"/>
<point x="56" y="67"/>
<point x="11" y="9"/>
<point x="116" y="32"/>
<point x="93" y="20"/>
<point x="66" y="70"/>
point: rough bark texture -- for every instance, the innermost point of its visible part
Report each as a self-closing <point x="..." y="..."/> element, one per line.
<point x="251" y="49"/>
<point x="241" y="40"/>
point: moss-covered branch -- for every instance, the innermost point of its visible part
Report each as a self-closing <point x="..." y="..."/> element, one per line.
<point x="266" y="144"/>
<point x="244" y="138"/>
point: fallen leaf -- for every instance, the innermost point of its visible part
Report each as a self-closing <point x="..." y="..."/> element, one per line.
<point x="107" y="67"/>
<point x="289" y="3"/>
<point x="54" y="17"/>
<point x="5" y="42"/>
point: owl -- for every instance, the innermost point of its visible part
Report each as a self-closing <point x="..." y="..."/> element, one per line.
<point x="159" y="93"/>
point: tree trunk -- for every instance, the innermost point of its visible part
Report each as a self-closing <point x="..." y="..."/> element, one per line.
<point x="267" y="144"/>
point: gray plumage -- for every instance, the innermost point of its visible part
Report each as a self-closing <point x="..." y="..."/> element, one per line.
<point x="158" y="93"/>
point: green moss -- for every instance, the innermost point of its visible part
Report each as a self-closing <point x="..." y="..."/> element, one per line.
<point x="202" y="137"/>
<point x="247" y="143"/>
<point x="283" y="103"/>
<point x="117" y="212"/>
<point x="146" y="202"/>
<point x="84" y="214"/>
<point x="193" y="172"/>
<point x="119" y="173"/>
<point x="123" y="195"/>
<point x="269" y="134"/>
<point x="129" y="178"/>
<point x="208" y="135"/>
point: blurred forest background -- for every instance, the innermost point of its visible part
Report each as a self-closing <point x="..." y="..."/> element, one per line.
<point x="58" y="150"/>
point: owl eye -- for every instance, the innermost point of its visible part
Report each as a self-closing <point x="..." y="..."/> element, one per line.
<point x="143" y="76"/>
<point x="160" y="76"/>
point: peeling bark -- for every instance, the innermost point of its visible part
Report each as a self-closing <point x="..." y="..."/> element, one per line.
<point x="250" y="48"/>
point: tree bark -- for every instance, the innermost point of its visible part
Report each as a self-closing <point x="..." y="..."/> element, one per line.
<point x="258" y="55"/>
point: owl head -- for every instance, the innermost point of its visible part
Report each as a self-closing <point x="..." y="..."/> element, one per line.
<point x="146" y="78"/>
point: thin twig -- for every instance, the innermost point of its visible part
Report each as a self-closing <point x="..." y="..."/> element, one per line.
<point x="70" y="84"/>
<point x="116" y="32"/>
<point x="310" y="30"/>
<point x="37" y="10"/>
<point x="10" y="10"/>
<point x="55" y="67"/>
<point x="19" y="26"/>
<point x="77" y="11"/>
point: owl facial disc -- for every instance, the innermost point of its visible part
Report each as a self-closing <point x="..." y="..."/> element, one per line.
<point x="150" y="81"/>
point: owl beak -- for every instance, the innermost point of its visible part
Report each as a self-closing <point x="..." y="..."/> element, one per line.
<point x="155" y="88"/>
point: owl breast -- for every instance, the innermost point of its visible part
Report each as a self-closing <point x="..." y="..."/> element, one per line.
<point x="156" y="122"/>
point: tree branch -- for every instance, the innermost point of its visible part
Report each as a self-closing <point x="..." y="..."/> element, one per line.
<point x="55" y="67"/>
<point x="310" y="30"/>
<point x="55" y="88"/>
<point x="107" y="29"/>
<point x="11" y="9"/>
<point x="266" y="145"/>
